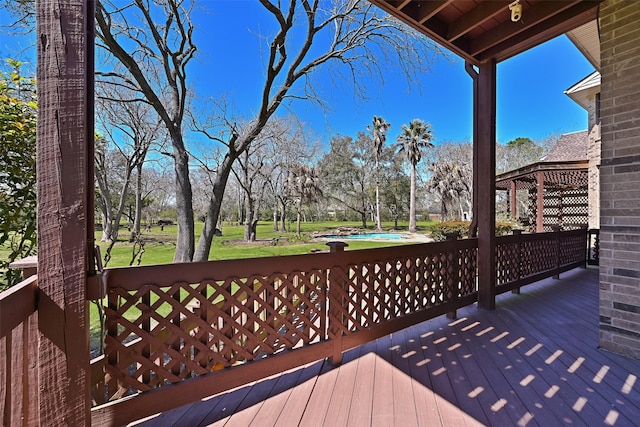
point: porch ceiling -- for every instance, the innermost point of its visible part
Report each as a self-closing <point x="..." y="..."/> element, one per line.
<point x="479" y="30"/>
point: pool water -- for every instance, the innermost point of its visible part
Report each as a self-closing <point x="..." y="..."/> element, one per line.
<point x="367" y="236"/>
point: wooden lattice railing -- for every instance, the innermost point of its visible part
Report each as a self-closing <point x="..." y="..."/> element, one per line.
<point x="247" y="319"/>
<point x="19" y="354"/>
<point x="209" y="327"/>
<point x="526" y="258"/>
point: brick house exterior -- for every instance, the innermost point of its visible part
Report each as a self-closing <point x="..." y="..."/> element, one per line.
<point x="620" y="177"/>
<point x="586" y="93"/>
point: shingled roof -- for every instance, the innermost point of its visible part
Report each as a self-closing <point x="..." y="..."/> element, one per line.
<point x="570" y="147"/>
<point x="566" y="164"/>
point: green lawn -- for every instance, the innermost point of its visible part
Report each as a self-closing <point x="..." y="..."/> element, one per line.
<point x="160" y="245"/>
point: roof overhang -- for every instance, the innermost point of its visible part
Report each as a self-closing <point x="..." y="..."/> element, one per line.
<point x="585" y="90"/>
<point x="587" y="39"/>
<point x="480" y="30"/>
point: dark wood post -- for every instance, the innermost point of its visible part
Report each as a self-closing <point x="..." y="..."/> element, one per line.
<point x="452" y="276"/>
<point x="473" y="227"/>
<point x="28" y="265"/>
<point x="63" y="153"/>
<point x="518" y="260"/>
<point x="336" y="301"/>
<point x="485" y="163"/>
<point x="336" y="247"/>
<point x="513" y="200"/>
<point x="539" y="202"/>
<point x="556" y="237"/>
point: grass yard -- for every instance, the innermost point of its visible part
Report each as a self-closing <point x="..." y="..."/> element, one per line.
<point x="160" y="245"/>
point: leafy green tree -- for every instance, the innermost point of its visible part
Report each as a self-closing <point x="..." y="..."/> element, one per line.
<point x="379" y="136"/>
<point x="18" y="109"/>
<point x="413" y="139"/>
<point x="394" y="194"/>
<point x="347" y="172"/>
<point x="517" y="153"/>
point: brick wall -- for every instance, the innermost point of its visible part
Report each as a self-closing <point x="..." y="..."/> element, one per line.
<point x="620" y="177"/>
<point x="593" y="154"/>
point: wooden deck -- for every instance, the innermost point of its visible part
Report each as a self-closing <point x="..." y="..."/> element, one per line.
<point x="532" y="361"/>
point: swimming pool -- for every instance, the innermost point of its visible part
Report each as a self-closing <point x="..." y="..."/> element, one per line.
<point x="367" y="236"/>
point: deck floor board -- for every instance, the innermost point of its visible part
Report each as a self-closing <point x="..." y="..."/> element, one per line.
<point x="533" y="361"/>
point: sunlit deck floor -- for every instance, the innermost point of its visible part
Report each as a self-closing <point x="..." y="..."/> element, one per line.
<point x="532" y="361"/>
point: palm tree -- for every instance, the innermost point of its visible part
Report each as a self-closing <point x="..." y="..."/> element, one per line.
<point x="413" y="139"/>
<point x="379" y="136"/>
<point x="303" y="183"/>
<point x="451" y="182"/>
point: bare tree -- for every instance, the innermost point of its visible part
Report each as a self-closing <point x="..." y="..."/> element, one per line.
<point x="250" y="172"/>
<point x="288" y="145"/>
<point x="153" y="54"/>
<point x="22" y="14"/>
<point x="129" y="130"/>
<point x="353" y="34"/>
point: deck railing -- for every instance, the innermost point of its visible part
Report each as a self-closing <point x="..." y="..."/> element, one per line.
<point x="177" y="333"/>
<point x="19" y="354"/>
<point x="248" y="319"/>
<point x="526" y="258"/>
<point x="593" y="246"/>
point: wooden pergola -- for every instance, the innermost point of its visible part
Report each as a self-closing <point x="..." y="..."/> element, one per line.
<point x="481" y="32"/>
<point x="557" y="194"/>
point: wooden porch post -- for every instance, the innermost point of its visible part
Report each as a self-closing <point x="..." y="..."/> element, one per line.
<point x="513" y="201"/>
<point x="473" y="228"/>
<point x="485" y="164"/>
<point x="62" y="156"/>
<point x="539" y="202"/>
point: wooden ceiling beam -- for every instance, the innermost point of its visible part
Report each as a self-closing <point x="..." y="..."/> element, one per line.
<point x="559" y="24"/>
<point x="398" y="4"/>
<point x="530" y="18"/>
<point x="427" y="10"/>
<point x="434" y="28"/>
<point x="480" y="14"/>
<point x="402" y="4"/>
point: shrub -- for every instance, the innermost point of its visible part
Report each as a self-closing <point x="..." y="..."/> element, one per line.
<point x="441" y="230"/>
<point x="460" y="229"/>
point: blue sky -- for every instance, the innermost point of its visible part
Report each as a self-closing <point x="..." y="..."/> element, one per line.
<point x="531" y="102"/>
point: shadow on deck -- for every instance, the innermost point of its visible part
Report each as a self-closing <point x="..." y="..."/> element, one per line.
<point x="532" y="361"/>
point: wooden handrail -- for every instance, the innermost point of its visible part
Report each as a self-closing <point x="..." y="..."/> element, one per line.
<point x="133" y="278"/>
<point x="17" y="303"/>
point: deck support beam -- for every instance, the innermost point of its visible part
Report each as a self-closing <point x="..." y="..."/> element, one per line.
<point x="64" y="139"/>
<point x="485" y="164"/>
